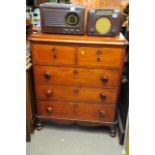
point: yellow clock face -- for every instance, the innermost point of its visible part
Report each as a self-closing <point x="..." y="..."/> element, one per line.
<point x="103" y="25"/>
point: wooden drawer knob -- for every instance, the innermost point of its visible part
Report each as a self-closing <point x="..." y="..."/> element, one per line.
<point x="49" y="109"/>
<point x="48" y="93"/>
<point x="103" y="96"/>
<point x="47" y="75"/>
<point x="101" y="113"/>
<point x="104" y="79"/>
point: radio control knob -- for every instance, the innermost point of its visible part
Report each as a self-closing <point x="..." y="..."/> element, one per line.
<point x="66" y="30"/>
<point x="113" y="31"/>
<point x="77" y="30"/>
<point x="72" y="30"/>
<point x="92" y="30"/>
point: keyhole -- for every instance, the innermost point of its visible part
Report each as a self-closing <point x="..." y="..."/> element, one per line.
<point x="98" y="59"/>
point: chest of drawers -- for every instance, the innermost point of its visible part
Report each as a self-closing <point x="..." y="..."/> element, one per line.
<point x="77" y="78"/>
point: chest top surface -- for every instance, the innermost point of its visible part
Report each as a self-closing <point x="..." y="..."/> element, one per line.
<point x="78" y="39"/>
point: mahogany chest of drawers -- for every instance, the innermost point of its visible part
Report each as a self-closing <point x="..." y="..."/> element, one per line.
<point x="77" y="78"/>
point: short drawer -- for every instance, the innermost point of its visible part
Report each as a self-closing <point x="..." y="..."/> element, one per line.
<point x="45" y="54"/>
<point x="100" y="57"/>
<point x="76" y="76"/>
<point x="81" y="94"/>
<point x="76" y="111"/>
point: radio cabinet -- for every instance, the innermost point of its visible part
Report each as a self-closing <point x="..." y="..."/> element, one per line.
<point x="62" y="18"/>
<point x="77" y="78"/>
<point x="103" y="22"/>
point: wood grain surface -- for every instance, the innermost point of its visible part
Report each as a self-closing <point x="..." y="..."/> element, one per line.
<point x="72" y="110"/>
<point x="72" y="93"/>
<point x="76" y="76"/>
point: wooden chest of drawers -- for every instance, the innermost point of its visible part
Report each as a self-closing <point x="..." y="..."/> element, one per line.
<point x="77" y="78"/>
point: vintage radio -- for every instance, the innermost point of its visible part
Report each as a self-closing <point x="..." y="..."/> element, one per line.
<point x="103" y="22"/>
<point x="62" y="18"/>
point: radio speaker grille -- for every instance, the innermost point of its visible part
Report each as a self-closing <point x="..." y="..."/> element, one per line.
<point x="53" y="18"/>
<point x="103" y="25"/>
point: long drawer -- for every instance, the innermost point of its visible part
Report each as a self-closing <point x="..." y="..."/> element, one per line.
<point x="81" y="94"/>
<point x="79" y="111"/>
<point x="45" y="54"/>
<point x="76" y="76"/>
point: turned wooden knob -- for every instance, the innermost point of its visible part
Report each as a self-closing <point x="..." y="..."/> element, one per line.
<point x="101" y="113"/>
<point x="103" y="96"/>
<point x="47" y="75"/>
<point x="104" y="79"/>
<point x="48" y="93"/>
<point x="49" y="109"/>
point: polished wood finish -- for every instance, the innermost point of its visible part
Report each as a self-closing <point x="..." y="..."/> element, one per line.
<point x="79" y="111"/>
<point x="100" y="57"/>
<point x="80" y="94"/>
<point x="77" y="78"/>
<point x="30" y="110"/>
<point x="75" y="39"/>
<point x="29" y="102"/>
<point x="53" y="55"/>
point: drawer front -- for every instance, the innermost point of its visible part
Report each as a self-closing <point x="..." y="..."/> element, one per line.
<point x="76" y="76"/>
<point x="100" y="57"/>
<point x="81" y="94"/>
<point x="77" y="111"/>
<point x="53" y="55"/>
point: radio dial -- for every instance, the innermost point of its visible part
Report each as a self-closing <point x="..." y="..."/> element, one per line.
<point x="72" y="19"/>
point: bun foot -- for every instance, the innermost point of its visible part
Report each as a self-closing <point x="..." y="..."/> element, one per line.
<point x="112" y="131"/>
<point x="39" y="125"/>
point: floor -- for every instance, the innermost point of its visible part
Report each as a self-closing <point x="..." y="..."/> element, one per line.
<point x="72" y="140"/>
